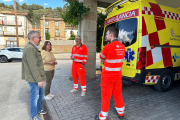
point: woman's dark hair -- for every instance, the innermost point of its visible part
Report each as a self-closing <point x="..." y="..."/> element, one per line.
<point x="45" y="44"/>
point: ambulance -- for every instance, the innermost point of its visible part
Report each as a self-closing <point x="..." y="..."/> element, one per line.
<point x="151" y="35"/>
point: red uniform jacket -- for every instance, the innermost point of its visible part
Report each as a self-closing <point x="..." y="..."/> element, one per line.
<point x="113" y="54"/>
<point x="80" y="54"/>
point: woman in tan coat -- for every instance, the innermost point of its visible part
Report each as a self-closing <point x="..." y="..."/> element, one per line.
<point x="49" y="64"/>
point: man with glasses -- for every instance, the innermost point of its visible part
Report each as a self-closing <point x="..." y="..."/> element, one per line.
<point x="79" y="55"/>
<point x="33" y="73"/>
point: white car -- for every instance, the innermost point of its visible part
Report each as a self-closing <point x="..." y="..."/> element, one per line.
<point x="9" y="54"/>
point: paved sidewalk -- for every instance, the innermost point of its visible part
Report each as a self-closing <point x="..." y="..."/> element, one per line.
<point x="142" y="102"/>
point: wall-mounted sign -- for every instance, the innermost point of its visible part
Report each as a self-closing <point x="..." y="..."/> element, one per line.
<point x="11" y="38"/>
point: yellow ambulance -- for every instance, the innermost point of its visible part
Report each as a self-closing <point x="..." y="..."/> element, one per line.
<point x="151" y="35"/>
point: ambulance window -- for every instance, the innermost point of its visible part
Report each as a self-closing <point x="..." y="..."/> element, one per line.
<point x="127" y="31"/>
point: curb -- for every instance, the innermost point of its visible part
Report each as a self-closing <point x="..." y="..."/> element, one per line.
<point x="52" y="112"/>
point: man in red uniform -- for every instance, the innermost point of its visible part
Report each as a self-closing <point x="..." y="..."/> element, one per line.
<point x="112" y="56"/>
<point x="79" y="55"/>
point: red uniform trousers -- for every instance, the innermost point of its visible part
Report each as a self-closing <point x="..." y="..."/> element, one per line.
<point x="78" y="71"/>
<point x="110" y="86"/>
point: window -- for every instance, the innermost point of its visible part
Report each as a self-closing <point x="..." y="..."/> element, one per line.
<point x="11" y="44"/>
<point x="46" y="23"/>
<point x="57" y="32"/>
<point x="5" y="28"/>
<point x="11" y="49"/>
<point x="46" y="30"/>
<point x="127" y="31"/>
<point x="19" y="49"/>
<point x="56" y="23"/>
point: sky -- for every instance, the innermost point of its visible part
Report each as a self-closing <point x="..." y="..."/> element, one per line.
<point x="45" y="3"/>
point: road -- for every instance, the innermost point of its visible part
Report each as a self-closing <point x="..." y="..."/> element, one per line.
<point x="142" y="102"/>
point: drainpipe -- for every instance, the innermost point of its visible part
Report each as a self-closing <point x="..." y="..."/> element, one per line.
<point x="44" y="27"/>
<point x="79" y="30"/>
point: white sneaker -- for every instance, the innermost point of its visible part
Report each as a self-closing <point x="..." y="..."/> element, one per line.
<point x="73" y="90"/>
<point x="51" y="95"/>
<point x="83" y="93"/>
<point x="47" y="97"/>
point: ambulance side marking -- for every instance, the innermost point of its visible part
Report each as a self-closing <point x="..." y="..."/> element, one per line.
<point x="154" y="38"/>
<point x="152" y="79"/>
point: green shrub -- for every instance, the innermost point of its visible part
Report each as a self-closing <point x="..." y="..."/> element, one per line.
<point x="72" y="37"/>
<point x="47" y="36"/>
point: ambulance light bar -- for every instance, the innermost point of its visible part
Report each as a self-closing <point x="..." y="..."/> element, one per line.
<point x="120" y="3"/>
<point x="117" y="4"/>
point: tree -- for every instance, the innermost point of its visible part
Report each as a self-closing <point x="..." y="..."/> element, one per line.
<point x="47" y="36"/>
<point x="2" y="5"/>
<point x="100" y="28"/>
<point x="30" y="14"/>
<point x="18" y="6"/>
<point x="60" y="9"/>
<point x="24" y="6"/>
<point x="74" y="12"/>
<point x="11" y="7"/>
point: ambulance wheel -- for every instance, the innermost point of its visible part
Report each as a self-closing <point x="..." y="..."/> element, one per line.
<point x="165" y="81"/>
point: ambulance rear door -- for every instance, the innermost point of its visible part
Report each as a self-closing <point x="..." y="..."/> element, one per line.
<point x="128" y="36"/>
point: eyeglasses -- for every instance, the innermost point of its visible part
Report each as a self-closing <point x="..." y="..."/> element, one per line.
<point x="77" y="39"/>
<point x="38" y="37"/>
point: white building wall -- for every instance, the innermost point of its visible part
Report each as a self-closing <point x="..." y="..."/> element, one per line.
<point x="67" y="33"/>
<point x="2" y="41"/>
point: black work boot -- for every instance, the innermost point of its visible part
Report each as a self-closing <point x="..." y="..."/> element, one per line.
<point x="121" y="117"/>
<point x="96" y="117"/>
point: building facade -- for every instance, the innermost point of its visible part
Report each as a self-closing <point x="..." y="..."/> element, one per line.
<point x="55" y="27"/>
<point x="8" y="29"/>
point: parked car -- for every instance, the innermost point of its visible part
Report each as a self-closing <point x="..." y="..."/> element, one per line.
<point x="9" y="54"/>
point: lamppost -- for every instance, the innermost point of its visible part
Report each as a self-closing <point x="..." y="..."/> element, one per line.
<point x="16" y="23"/>
<point x="35" y="25"/>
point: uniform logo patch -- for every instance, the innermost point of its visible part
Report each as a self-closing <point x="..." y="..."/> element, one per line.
<point x="117" y="46"/>
<point x="129" y="55"/>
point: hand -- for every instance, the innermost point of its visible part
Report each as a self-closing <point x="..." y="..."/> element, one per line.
<point x="52" y="63"/>
<point x="72" y="58"/>
<point x="41" y="84"/>
<point x="102" y="60"/>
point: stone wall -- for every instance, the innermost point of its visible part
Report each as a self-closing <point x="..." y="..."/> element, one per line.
<point x="60" y="46"/>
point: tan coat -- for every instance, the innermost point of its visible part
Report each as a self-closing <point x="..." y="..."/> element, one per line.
<point x="32" y="64"/>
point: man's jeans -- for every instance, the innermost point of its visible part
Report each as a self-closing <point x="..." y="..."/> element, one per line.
<point x="36" y="98"/>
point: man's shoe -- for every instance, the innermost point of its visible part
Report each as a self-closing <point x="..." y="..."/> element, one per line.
<point x="42" y="112"/>
<point x="121" y="117"/>
<point x="48" y="97"/>
<point x="51" y="95"/>
<point x="35" y="118"/>
<point x="73" y="90"/>
<point x="96" y="117"/>
<point x="83" y="93"/>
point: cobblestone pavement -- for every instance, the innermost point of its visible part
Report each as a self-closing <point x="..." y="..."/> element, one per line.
<point x="14" y="93"/>
<point x="141" y="102"/>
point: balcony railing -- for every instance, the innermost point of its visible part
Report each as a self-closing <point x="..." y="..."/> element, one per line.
<point x="11" y="33"/>
<point x="8" y="22"/>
